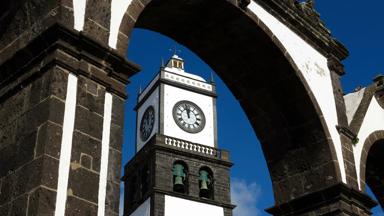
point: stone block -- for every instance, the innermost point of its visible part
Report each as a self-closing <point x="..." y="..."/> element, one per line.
<point x="78" y="207"/>
<point x="50" y="109"/>
<point x="86" y="161"/>
<point x="89" y="122"/>
<point x="17" y="154"/>
<point x="116" y="137"/>
<point x="84" y="184"/>
<point x="41" y="202"/>
<point x="49" y="140"/>
<point x="4" y="209"/>
<point x="49" y="173"/>
<point x="90" y="95"/>
<point x="118" y="111"/>
<point x="83" y="144"/>
<point x="19" y="206"/>
<point x="114" y="166"/>
<point x="21" y="180"/>
<point x="112" y="198"/>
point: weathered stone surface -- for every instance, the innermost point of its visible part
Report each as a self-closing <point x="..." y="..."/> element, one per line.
<point x="84" y="144"/>
<point x="41" y="202"/>
<point x="20" y="206"/>
<point x="89" y="122"/>
<point x="49" y="140"/>
<point x="116" y="137"/>
<point x="77" y="207"/>
<point x="118" y="111"/>
<point x="32" y="102"/>
<point x="83" y="183"/>
<point x="98" y="20"/>
<point x="90" y="95"/>
<point x="334" y="200"/>
<point x="114" y="166"/>
<point x="112" y="198"/>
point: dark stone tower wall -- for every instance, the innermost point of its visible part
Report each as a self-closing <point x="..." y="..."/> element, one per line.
<point x="30" y="131"/>
<point x="157" y="158"/>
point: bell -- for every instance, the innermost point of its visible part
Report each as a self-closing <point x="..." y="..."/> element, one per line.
<point x="205" y="180"/>
<point x="203" y="185"/>
<point x="179" y="175"/>
<point x="178" y="181"/>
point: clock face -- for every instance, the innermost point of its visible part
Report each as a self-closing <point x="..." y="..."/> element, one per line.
<point x="188" y="116"/>
<point x="147" y="123"/>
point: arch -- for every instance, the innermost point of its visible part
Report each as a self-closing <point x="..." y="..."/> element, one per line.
<point x="372" y="167"/>
<point x="263" y="77"/>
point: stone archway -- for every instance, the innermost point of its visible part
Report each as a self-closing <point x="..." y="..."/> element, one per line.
<point x="49" y="47"/>
<point x="371" y="166"/>
<point x="263" y="78"/>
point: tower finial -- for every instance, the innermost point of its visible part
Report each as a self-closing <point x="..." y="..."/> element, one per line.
<point x="174" y="50"/>
<point x="212" y="78"/>
<point x="140" y="90"/>
<point x="162" y="62"/>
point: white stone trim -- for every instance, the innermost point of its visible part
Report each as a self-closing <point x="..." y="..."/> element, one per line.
<point x="118" y="9"/>
<point x="352" y="103"/>
<point x="314" y="68"/>
<point x="79" y="14"/>
<point x="144" y="209"/>
<point x="66" y="145"/>
<point x="104" y="153"/>
<point x="188" y="81"/>
<point x="173" y="206"/>
<point x="373" y="121"/>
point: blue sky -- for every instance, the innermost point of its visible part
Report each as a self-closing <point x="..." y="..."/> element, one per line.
<point x="355" y="24"/>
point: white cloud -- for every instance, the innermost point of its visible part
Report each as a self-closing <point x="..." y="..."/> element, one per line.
<point x="245" y="196"/>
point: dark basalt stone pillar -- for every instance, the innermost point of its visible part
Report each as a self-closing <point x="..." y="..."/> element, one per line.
<point x="33" y="95"/>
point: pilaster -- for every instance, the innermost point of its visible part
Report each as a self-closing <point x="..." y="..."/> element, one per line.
<point x="34" y="92"/>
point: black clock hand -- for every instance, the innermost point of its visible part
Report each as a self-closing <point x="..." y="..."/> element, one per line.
<point x="188" y="110"/>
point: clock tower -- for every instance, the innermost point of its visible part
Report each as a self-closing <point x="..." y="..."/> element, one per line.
<point x="178" y="168"/>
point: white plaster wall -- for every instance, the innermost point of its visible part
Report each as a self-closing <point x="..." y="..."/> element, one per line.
<point x="152" y="100"/>
<point x="144" y="209"/>
<point x="118" y="9"/>
<point x="314" y="68"/>
<point x="79" y="14"/>
<point x="104" y="154"/>
<point x="352" y="102"/>
<point x="176" y="207"/>
<point x="172" y="95"/>
<point x="66" y="145"/>
<point x="373" y="121"/>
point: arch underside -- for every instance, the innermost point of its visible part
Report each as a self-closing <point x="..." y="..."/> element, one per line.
<point x="374" y="174"/>
<point x="273" y="94"/>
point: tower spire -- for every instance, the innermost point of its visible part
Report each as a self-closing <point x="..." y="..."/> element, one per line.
<point x="212" y="78"/>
